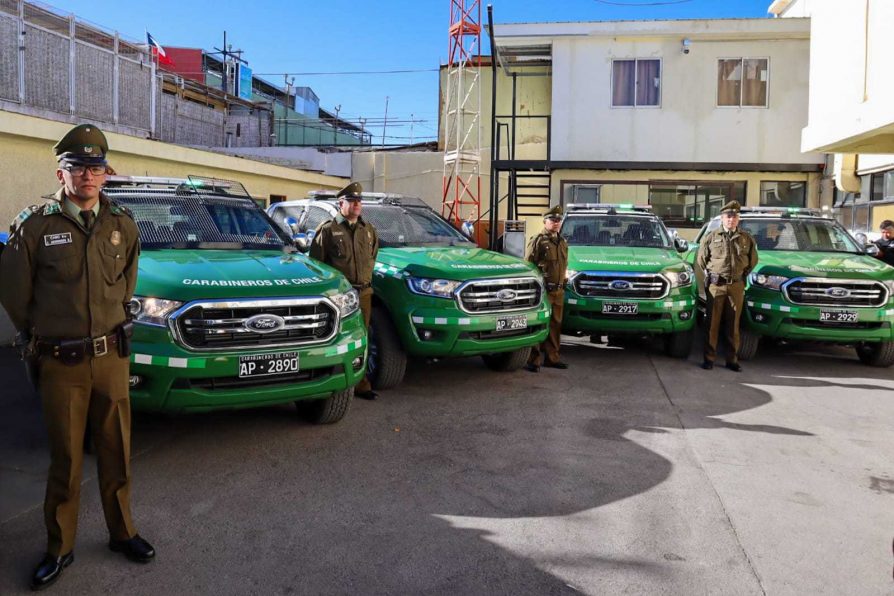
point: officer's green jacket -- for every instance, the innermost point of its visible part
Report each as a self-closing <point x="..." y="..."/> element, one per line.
<point x="59" y="281"/>
<point x="550" y="253"/>
<point x="350" y="249"/>
<point x="730" y="254"/>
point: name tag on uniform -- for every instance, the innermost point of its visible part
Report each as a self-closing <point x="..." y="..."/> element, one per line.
<point x="57" y="239"/>
<point x="718" y="239"/>
<point x="337" y="233"/>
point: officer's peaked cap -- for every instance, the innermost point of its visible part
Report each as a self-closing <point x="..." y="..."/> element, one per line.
<point x="554" y="213"/>
<point x="352" y="191"/>
<point x="84" y="144"/>
<point x="731" y="207"/>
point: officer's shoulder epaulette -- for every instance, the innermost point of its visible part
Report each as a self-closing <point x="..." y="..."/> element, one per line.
<point x="51" y="207"/>
<point x="117" y="209"/>
<point x="21" y="217"/>
<point x="325" y="225"/>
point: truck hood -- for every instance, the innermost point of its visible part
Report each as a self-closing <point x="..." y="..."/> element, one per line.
<point x="623" y="258"/>
<point x="186" y="275"/>
<point x="822" y="264"/>
<point x="458" y="263"/>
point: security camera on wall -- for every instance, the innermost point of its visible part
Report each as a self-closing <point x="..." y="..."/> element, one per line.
<point x="686" y="43"/>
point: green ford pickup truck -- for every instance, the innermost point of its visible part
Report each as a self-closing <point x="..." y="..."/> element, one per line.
<point x="626" y="276"/>
<point x="436" y="293"/>
<point x="228" y="314"/>
<point x="813" y="282"/>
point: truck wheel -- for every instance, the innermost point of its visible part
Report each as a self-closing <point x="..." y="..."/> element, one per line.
<point x="328" y="410"/>
<point x="748" y="341"/>
<point x="386" y="363"/>
<point x="507" y="361"/>
<point x="678" y="345"/>
<point x="879" y="353"/>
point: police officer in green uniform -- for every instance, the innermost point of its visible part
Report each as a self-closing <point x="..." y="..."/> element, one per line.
<point x="350" y="244"/>
<point x="549" y="251"/>
<point x="727" y="255"/>
<point x="67" y="275"/>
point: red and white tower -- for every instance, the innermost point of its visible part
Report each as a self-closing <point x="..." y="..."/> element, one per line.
<point x="462" y="116"/>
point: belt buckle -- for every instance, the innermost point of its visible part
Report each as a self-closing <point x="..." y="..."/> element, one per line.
<point x="104" y="343"/>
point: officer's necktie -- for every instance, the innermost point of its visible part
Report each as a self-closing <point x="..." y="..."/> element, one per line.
<point x="87" y="215"/>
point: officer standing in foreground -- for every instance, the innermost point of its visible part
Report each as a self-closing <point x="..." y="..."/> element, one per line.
<point x="350" y="244"/>
<point x="549" y="251"/>
<point x="885" y="244"/>
<point x="726" y="255"/>
<point x="68" y="273"/>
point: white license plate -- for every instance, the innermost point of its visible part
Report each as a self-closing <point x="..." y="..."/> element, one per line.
<point x="620" y="308"/>
<point x="512" y="323"/>
<point x="265" y="365"/>
<point x="838" y="316"/>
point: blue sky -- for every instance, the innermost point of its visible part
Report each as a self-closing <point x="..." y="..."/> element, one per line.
<point x="337" y="36"/>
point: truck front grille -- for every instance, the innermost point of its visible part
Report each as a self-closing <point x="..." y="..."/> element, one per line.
<point x="499" y="295"/>
<point x="279" y="322"/>
<point x="835" y="292"/>
<point x="621" y="286"/>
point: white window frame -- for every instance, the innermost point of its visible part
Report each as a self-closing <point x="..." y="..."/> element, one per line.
<point x="635" y="106"/>
<point x="741" y="60"/>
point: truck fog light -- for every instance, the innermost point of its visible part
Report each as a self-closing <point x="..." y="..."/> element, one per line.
<point x="426" y="334"/>
<point x="135" y="381"/>
<point x="685" y="315"/>
<point x="760" y="318"/>
<point x="357" y="363"/>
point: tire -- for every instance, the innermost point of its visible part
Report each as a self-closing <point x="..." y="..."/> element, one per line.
<point x="678" y="345"/>
<point x="748" y="342"/>
<point x="386" y="363"/>
<point x="507" y="361"/>
<point x="329" y="410"/>
<point x="879" y="354"/>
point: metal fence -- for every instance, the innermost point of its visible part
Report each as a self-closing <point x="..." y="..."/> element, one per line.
<point x="58" y="65"/>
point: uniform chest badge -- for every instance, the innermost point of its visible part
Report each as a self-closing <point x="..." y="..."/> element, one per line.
<point x="57" y="239"/>
<point x="115" y="239"/>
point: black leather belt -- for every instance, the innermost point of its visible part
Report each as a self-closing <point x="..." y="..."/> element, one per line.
<point x="361" y="287"/>
<point x="77" y="349"/>
<point x="553" y="287"/>
<point x="719" y="280"/>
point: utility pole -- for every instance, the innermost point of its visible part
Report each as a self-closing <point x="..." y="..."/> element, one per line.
<point x="411" y="130"/>
<point x="335" y="128"/>
<point x="385" y="122"/>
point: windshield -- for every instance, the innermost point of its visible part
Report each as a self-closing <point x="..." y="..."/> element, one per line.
<point x="822" y="235"/>
<point x="615" y="230"/>
<point x="201" y="222"/>
<point x="411" y="226"/>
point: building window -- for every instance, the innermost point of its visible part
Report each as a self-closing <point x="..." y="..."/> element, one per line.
<point x="743" y="82"/>
<point x="584" y="193"/>
<point x="277" y="199"/>
<point x="636" y="83"/>
<point x="691" y="204"/>
<point x="882" y="186"/>
<point x="783" y="194"/>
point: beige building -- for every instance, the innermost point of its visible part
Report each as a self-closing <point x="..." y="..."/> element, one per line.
<point x="682" y="115"/>
<point x="851" y="101"/>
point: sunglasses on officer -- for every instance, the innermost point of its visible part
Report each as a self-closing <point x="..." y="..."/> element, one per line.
<point x="80" y="170"/>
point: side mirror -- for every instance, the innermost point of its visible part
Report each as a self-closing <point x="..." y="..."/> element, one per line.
<point x="680" y="244"/>
<point x="861" y="238"/>
<point x="292" y="224"/>
<point x="872" y="250"/>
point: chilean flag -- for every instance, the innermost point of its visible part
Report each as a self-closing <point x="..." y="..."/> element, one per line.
<point x="158" y="51"/>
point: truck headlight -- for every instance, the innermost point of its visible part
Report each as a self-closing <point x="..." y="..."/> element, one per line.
<point x="439" y="288"/>
<point x="889" y="283"/>
<point x="680" y="279"/>
<point x="347" y="303"/>
<point x="152" y="311"/>
<point x="570" y="274"/>
<point x="770" y="282"/>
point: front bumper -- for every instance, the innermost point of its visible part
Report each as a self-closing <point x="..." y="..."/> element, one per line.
<point x="673" y="314"/>
<point x="768" y="313"/>
<point x="436" y="327"/>
<point x="176" y="380"/>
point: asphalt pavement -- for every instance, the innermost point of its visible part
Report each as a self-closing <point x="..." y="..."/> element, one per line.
<point x="628" y="473"/>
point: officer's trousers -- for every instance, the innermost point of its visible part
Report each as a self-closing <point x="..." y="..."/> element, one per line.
<point x="550" y="346"/>
<point x="95" y="389"/>
<point x="366" y="297"/>
<point x="724" y="309"/>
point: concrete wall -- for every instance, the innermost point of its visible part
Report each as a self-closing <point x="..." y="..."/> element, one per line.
<point x="331" y="163"/>
<point x="851" y="88"/>
<point x="688" y="126"/>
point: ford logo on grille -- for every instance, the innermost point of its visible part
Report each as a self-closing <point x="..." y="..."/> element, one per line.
<point x="506" y="295"/>
<point x="838" y="292"/>
<point x="620" y="284"/>
<point x="264" y="323"/>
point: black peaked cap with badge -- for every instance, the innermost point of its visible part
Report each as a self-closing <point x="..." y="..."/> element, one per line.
<point x="554" y="213"/>
<point x="352" y="191"/>
<point x="731" y="207"/>
<point x="84" y="144"/>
